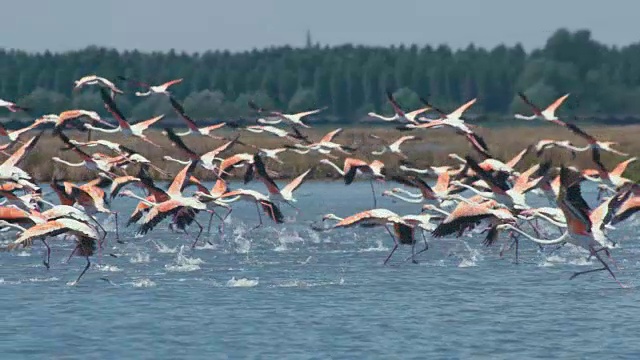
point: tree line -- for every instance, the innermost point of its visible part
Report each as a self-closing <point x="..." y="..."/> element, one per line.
<point x="350" y="80"/>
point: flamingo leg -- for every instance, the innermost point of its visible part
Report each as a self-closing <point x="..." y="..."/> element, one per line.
<point x="413" y="252"/>
<point x="259" y="216"/>
<point x="46" y="261"/>
<point x="426" y="247"/>
<point x="115" y="213"/>
<point x="395" y="245"/>
<point x="101" y="228"/>
<point x="556" y="248"/>
<point x="426" y="244"/>
<point x="224" y="218"/>
<point x="515" y="241"/>
<point x="273" y="214"/>
<point x="375" y="201"/>
<point x="85" y="269"/>
<point x="199" y="233"/>
<point x="603" y="268"/>
<point x="210" y="221"/>
<point x="72" y="252"/>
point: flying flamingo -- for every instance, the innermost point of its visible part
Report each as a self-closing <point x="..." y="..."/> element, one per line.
<point x="455" y="121"/>
<point x="86" y="237"/>
<point x="157" y="89"/>
<point x="11" y="106"/>
<point x="352" y="167"/>
<point x="13" y="136"/>
<point x="172" y="202"/>
<point x="435" y="195"/>
<point x="97" y="80"/>
<point x="394" y="147"/>
<point x="543" y="145"/>
<point x="275" y="193"/>
<point x="548" y="114"/>
<point x="404" y="231"/>
<point x="10" y="170"/>
<point x="324" y="146"/>
<point x="205" y="160"/>
<point x="593" y="144"/>
<point x="610" y="179"/>
<point x="269" y="207"/>
<point x="296" y="135"/>
<point x="192" y="128"/>
<point x="296" y="118"/>
<point x="580" y="223"/>
<point x="124" y="127"/>
<point x="88" y="161"/>
<point x="399" y="114"/>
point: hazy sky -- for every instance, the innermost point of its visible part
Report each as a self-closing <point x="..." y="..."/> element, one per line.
<point x="192" y="25"/>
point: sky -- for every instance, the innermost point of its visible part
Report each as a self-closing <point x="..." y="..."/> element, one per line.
<point x="238" y="25"/>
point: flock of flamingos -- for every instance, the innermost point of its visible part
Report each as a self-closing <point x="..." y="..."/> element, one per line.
<point x="498" y="205"/>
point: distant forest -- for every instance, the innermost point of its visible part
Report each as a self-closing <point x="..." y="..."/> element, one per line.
<point x="350" y="80"/>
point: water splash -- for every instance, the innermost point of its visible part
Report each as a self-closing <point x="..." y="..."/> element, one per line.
<point x="143" y="283"/>
<point x="140" y="258"/>
<point x="379" y="247"/>
<point x="108" y="268"/>
<point x="164" y="249"/>
<point x="472" y="257"/>
<point x="242" y="282"/>
<point x="184" y="263"/>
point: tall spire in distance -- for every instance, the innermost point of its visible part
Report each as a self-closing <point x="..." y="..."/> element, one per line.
<point x="309" y="43"/>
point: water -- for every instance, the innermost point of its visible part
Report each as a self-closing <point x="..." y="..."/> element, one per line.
<point x="291" y="292"/>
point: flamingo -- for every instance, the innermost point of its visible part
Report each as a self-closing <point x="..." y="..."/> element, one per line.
<point x="548" y="114"/>
<point x="296" y="135"/>
<point x="352" y="166"/>
<point x="192" y="128"/>
<point x="171" y="202"/>
<point x="151" y="89"/>
<point x="275" y="194"/>
<point x="610" y="179"/>
<point x="455" y="121"/>
<point x="436" y="195"/>
<point x="205" y="160"/>
<point x="629" y="206"/>
<point x="269" y="207"/>
<point x="9" y="169"/>
<point x="12" y="106"/>
<point x="86" y="237"/>
<point x="13" y="136"/>
<point x="580" y="224"/>
<point x="399" y="114"/>
<point x="97" y="80"/>
<point x="324" y="146"/>
<point x="467" y="214"/>
<point x="593" y="144"/>
<point x="91" y="163"/>
<point x="295" y="119"/>
<point x="124" y="127"/>
<point x="404" y="231"/>
<point x="543" y="145"/>
<point x="394" y="147"/>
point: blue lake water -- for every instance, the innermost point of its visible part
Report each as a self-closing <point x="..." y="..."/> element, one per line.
<point x="290" y="292"/>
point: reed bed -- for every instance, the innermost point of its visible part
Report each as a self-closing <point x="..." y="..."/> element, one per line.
<point x="433" y="149"/>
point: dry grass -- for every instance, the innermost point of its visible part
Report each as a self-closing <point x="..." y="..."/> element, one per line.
<point x="432" y="150"/>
